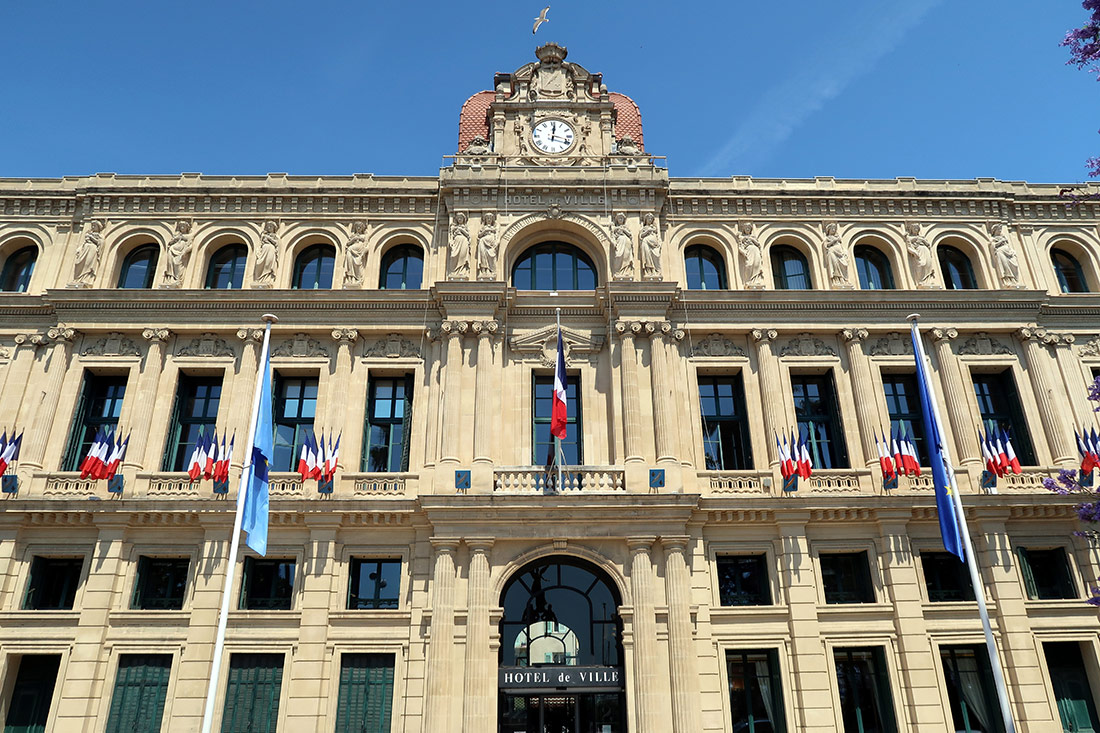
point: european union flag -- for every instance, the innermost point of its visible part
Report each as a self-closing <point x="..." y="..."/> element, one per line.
<point x="945" y="507"/>
<point x="254" y="522"/>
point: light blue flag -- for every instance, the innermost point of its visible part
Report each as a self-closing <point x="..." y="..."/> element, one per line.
<point x="945" y="506"/>
<point x="254" y="522"/>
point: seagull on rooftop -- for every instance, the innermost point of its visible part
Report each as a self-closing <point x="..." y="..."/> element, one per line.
<point x="540" y="20"/>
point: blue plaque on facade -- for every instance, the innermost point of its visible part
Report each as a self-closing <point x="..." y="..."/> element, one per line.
<point x="1085" y="479"/>
<point x="221" y="487"/>
<point x="114" y="486"/>
<point x="656" y="478"/>
<point x="9" y="484"/>
<point x="989" y="481"/>
<point x="324" y="487"/>
<point x="791" y="483"/>
<point x="890" y="483"/>
<point x="462" y="480"/>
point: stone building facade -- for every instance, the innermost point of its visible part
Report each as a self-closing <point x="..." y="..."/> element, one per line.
<point x="445" y="582"/>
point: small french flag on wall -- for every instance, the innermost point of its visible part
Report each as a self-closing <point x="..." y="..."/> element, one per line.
<point x="559" y="410"/>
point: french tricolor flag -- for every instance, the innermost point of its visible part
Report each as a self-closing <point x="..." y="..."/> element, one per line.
<point x="559" y="410"/>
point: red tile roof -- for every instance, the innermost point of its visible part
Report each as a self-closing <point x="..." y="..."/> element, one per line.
<point x="474" y="119"/>
<point x="628" y="118"/>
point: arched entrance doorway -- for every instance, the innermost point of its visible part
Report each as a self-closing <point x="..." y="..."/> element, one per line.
<point x="561" y="655"/>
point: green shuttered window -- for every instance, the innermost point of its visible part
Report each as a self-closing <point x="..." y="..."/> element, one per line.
<point x="366" y="693"/>
<point x="141" y="687"/>
<point x="252" y="695"/>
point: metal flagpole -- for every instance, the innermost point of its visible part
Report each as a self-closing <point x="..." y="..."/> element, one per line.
<point x="971" y="562"/>
<point x="559" y="456"/>
<point x="235" y="542"/>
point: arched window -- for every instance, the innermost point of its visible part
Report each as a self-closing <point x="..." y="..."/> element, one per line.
<point x="705" y="268"/>
<point x="18" y="268"/>
<point x="313" y="268"/>
<point x="1071" y="278"/>
<point x="958" y="273"/>
<point x="227" y="268"/>
<point x="789" y="268"/>
<point x="874" y="268"/>
<point x="402" y="268"/>
<point x="139" y="268"/>
<point x="554" y="266"/>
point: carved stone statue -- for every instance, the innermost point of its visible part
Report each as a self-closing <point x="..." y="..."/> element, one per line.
<point x="627" y="146"/>
<point x="87" y="255"/>
<point x="477" y="146"/>
<point x="836" y="257"/>
<point x="355" y="255"/>
<point x="1007" y="263"/>
<point x="520" y="137"/>
<point x="623" y="242"/>
<point x="267" y="256"/>
<point x="753" y="254"/>
<point x="921" y="250"/>
<point x="487" y="247"/>
<point x="179" y="251"/>
<point x="459" y="248"/>
<point x="649" y="237"/>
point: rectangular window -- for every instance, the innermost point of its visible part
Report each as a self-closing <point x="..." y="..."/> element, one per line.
<point x="99" y="406"/>
<point x="864" y="688"/>
<point x="725" y="430"/>
<point x="970" y="691"/>
<point x="543" y="443"/>
<point x="818" y="416"/>
<point x="999" y="405"/>
<point x="365" y="703"/>
<point x="903" y="404"/>
<point x="32" y="693"/>
<point x="374" y="583"/>
<point x="141" y="687"/>
<point x="1046" y="573"/>
<point x="161" y="582"/>
<point x="1072" y="691"/>
<point x="53" y="583"/>
<point x="756" y="691"/>
<point x="743" y="580"/>
<point x="195" y="413"/>
<point x="295" y="408"/>
<point x="946" y="577"/>
<point x="846" y="577"/>
<point x="252" y="695"/>
<point x="267" y="584"/>
<point x="389" y="416"/>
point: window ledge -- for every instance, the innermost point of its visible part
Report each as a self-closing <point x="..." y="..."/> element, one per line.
<point x="40" y="617"/>
<point x="863" y="609"/>
<point x="148" y="617"/>
<point x="369" y="614"/>
<point x="264" y="619"/>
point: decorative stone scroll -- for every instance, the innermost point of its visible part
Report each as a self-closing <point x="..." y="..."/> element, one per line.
<point x="716" y="345"/>
<point x="806" y="344"/>
<point x="542" y="346"/>
<point x="207" y="344"/>
<point x="392" y="347"/>
<point x="301" y="347"/>
<point x="1091" y="348"/>
<point x="893" y="344"/>
<point x="983" y="344"/>
<point x="114" y="344"/>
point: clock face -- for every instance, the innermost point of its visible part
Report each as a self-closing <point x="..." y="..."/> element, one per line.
<point x="552" y="136"/>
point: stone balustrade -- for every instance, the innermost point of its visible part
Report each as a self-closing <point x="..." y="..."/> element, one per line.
<point x="534" y="480"/>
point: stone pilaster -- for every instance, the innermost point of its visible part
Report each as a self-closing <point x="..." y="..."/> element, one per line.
<point x="632" y="410"/>
<point x="433" y="391"/>
<point x="16" y="378"/>
<point x="864" y="388"/>
<point x="45" y="414"/>
<point x="955" y="390"/>
<point x="439" y="706"/>
<point x="479" y="701"/>
<point x="771" y="384"/>
<point x="1051" y="405"/>
<point x="1075" y="382"/>
<point x="338" y="402"/>
<point x="453" y="331"/>
<point x="142" y="416"/>
<point x="664" y="411"/>
<point x="646" y="707"/>
<point x="683" y="670"/>
<point x="244" y="386"/>
<point x="486" y="405"/>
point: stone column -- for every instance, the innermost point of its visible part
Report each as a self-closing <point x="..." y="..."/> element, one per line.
<point x="45" y="412"/>
<point x="479" y="702"/>
<point x="337" y="401"/>
<point x="632" y="410"/>
<point x="683" y="671"/>
<point x="432" y="392"/>
<point x="453" y="331"/>
<point x="664" y="411"/>
<point x="17" y="378"/>
<point x="644" y="629"/>
<point x="244" y="387"/>
<point x="1074" y="380"/>
<point x="955" y="389"/>
<point x="1051" y="406"/>
<point x="771" y="384"/>
<point x="486" y="406"/>
<point x="438" y="714"/>
<point x="142" y="416"/>
<point x="863" y="387"/>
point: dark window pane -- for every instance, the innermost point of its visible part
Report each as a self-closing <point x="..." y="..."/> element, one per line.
<point x="226" y="269"/>
<point x="790" y="271"/>
<point x="542" y="390"/>
<point x="946" y="577"/>
<point x="846" y="577"/>
<point x="161" y="582"/>
<point x="756" y="691"/>
<point x="267" y="584"/>
<point x="999" y="405"/>
<point x="743" y="580"/>
<point x="139" y="268"/>
<point x="705" y="268"/>
<point x="873" y="268"/>
<point x="388" y="413"/>
<point x="725" y="427"/>
<point x="819" y="419"/>
<point x="32" y="693"/>
<point x="252" y="694"/>
<point x="53" y="583"/>
<point x="903" y="404"/>
<point x="1073" y="692"/>
<point x="374" y="583"/>
<point x="1071" y="278"/>
<point x="402" y="268"/>
<point x="295" y="406"/>
<point x="971" y="696"/>
<point x="958" y="273"/>
<point x="554" y="266"/>
<point x="18" y="268"/>
<point x="1046" y="573"/>
<point x="864" y="689"/>
<point x="313" y="268"/>
<point x="197" y="401"/>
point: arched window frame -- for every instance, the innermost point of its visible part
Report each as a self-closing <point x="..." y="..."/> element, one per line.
<point x="1074" y="264"/>
<point x="15" y="277"/>
<point x="403" y="255"/>
<point x="573" y="270"/>
<point x="150" y="253"/>
<point x="314" y="254"/>
<point x="780" y="255"/>
<point x="237" y="252"/>
<point x="872" y="261"/>
<point x="696" y="257"/>
<point x="953" y="260"/>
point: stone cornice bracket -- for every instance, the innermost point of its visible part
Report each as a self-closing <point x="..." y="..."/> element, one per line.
<point x="855" y="335"/>
<point x="944" y="334"/>
<point x="764" y="334"/>
<point x="160" y="335"/>
<point x="345" y="335"/>
<point x="251" y="334"/>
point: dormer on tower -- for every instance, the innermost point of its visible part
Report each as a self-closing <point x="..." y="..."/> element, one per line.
<point x="551" y="112"/>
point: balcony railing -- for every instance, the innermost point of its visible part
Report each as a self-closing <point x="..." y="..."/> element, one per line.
<point x="533" y="480"/>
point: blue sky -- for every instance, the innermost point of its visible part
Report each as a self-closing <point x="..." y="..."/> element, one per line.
<point x="854" y="89"/>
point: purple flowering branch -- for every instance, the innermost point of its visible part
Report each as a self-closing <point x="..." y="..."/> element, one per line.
<point x="1084" y="52"/>
<point x="1067" y="483"/>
